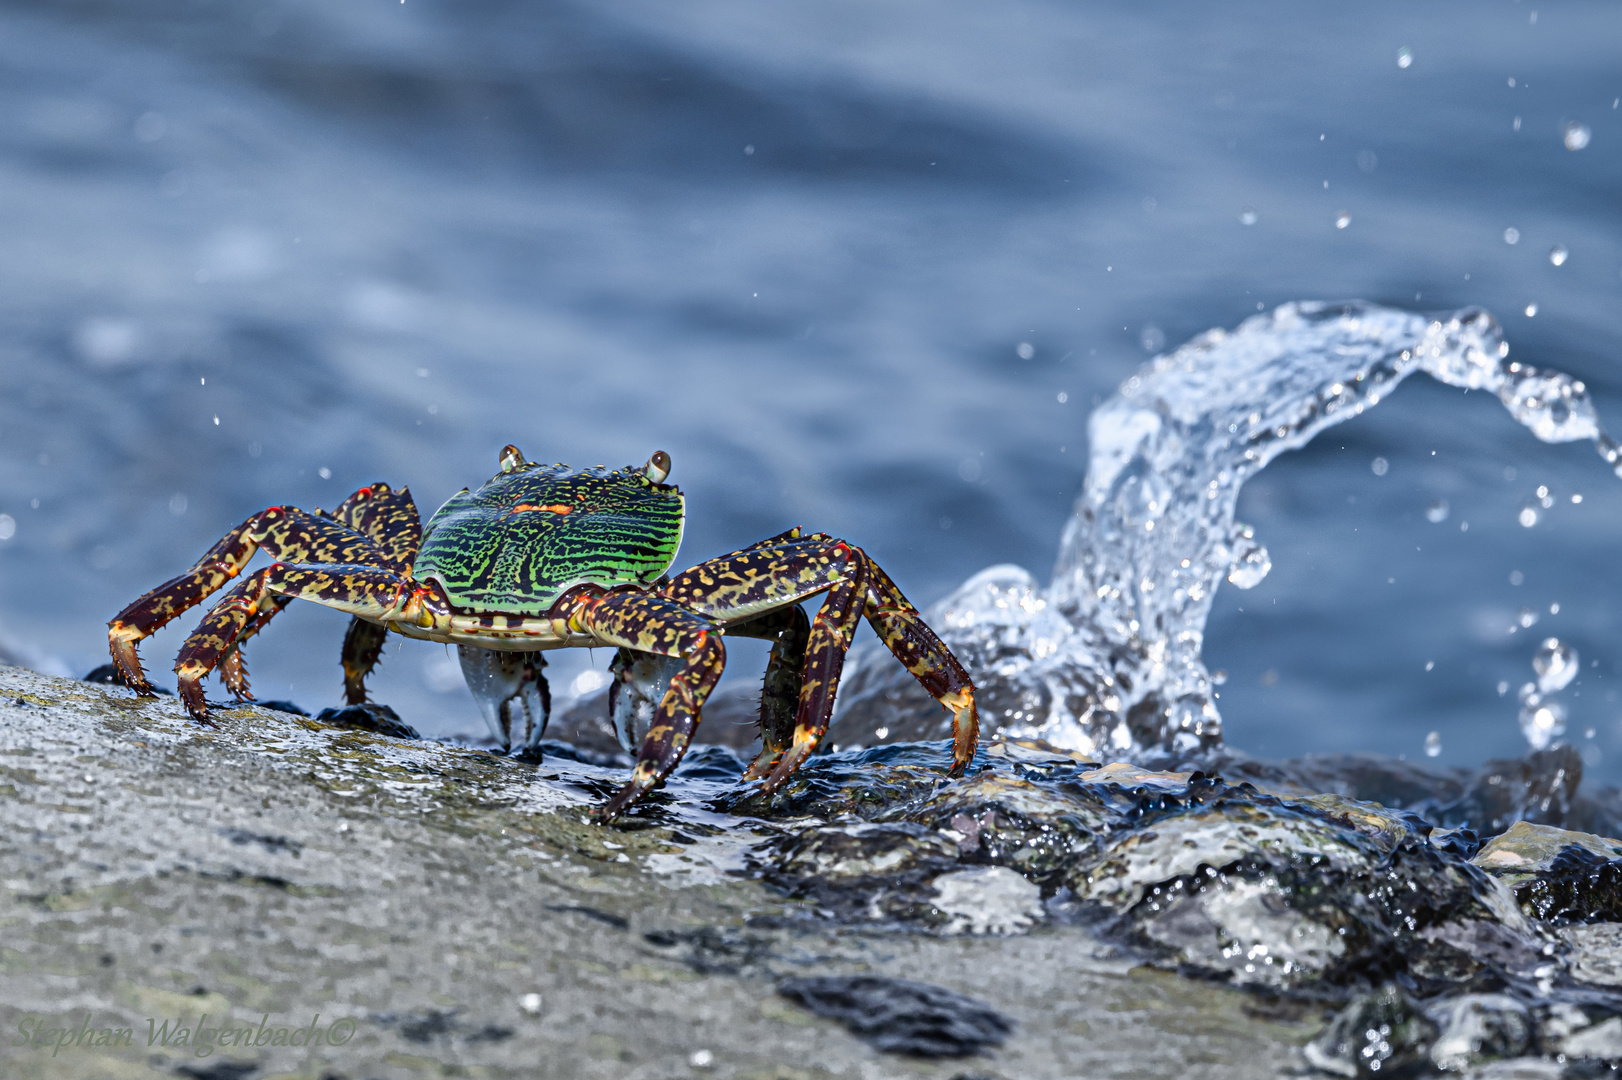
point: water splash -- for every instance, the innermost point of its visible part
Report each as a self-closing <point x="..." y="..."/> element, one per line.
<point x="1106" y="658"/>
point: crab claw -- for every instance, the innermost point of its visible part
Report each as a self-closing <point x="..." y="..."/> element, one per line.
<point x="658" y="467"/>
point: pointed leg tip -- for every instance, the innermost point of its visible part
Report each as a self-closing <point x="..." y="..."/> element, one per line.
<point x="615" y="806"/>
<point x="759" y="768"/>
<point x="191" y="695"/>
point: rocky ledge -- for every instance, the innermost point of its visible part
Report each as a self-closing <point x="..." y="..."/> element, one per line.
<point x="281" y="897"/>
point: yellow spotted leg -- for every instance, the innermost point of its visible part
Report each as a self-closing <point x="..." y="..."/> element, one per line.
<point x="790" y="568"/>
<point x="285" y="532"/>
<point x="651" y="623"/>
<point x="369" y="591"/>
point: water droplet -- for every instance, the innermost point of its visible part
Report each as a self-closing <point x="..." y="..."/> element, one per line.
<point x="1380" y="465"/>
<point x="1248" y="216"/>
<point x="1219" y="677"/>
<point x="1503" y="687"/>
<point x="881" y="732"/>
<point x="1251" y="563"/>
<point x="1436" y="512"/>
<point x="1025" y="350"/>
<point x="177" y="504"/>
<point x="1576" y="136"/>
<point x="1433" y="744"/>
<point x="1512" y="235"/>
<point x="1556" y="665"/>
<point x="1531" y="310"/>
<point x="1342" y="219"/>
<point x="324" y="472"/>
<point x="1528" y="516"/>
<point x="1575" y="499"/>
<point x="969" y="469"/>
<point x="1554" y="608"/>
<point x="1063" y="397"/>
<point x="1557" y="255"/>
<point x="530" y="1003"/>
<point x="1367" y="161"/>
<point x="1542" y="723"/>
<point x="1589" y="733"/>
<point x="1430" y="665"/>
<point x="1405" y="57"/>
<point x="1516" y="577"/>
<point x="1152" y="338"/>
<point x="8" y="526"/>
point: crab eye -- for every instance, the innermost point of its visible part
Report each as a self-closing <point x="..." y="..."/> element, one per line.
<point x="658" y="467"/>
<point x="511" y="458"/>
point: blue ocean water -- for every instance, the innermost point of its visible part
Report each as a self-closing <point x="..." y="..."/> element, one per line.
<point x="862" y="269"/>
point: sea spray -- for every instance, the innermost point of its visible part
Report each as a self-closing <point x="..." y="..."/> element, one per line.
<point x="1106" y="658"/>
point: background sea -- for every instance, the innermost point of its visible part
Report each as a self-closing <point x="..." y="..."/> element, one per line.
<point x="865" y="268"/>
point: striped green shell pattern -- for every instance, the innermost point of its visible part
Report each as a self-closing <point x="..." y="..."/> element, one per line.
<point x="519" y="542"/>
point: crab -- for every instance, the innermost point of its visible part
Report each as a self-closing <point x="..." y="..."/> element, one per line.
<point x="550" y="557"/>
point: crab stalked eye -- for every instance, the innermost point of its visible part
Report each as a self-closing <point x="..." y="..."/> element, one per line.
<point x="511" y="458"/>
<point x="658" y="467"/>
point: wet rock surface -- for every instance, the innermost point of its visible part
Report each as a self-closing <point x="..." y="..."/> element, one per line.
<point x="902" y="1016"/>
<point x="439" y="895"/>
<point x="377" y="718"/>
<point x="454" y="908"/>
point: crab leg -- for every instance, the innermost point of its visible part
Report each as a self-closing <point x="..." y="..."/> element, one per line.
<point x="285" y="532"/>
<point x="793" y="568"/>
<point x="363" y="645"/>
<point x="651" y="623"/>
<point x="390" y="518"/>
<point x="911" y="641"/>
<point x="233" y="665"/>
<point x="831" y="634"/>
<point x="369" y="591"/>
<point x="789" y="630"/>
